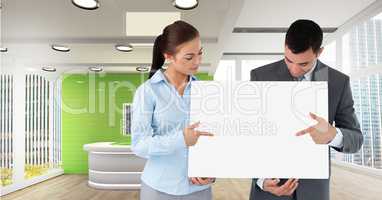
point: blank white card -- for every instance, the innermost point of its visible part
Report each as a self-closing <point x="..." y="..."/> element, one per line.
<point x="254" y="126"/>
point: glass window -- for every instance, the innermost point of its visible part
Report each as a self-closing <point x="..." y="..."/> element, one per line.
<point x="328" y="55"/>
<point x="362" y="60"/>
<point x="225" y="70"/>
<point x="248" y="65"/>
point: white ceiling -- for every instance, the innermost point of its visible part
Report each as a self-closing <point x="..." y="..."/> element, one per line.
<point x="280" y="14"/>
<point x="276" y="13"/>
<point x="29" y="27"/>
<point x="60" y="19"/>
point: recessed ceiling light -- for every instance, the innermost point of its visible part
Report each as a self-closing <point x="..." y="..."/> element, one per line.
<point x="185" y="4"/>
<point x="124" y="47"/>
<point x="49" y="69"/>
<point x="142" y="69"/>
<point x="96" y="69"/>
<point x="3" y="49"/>
<point x="61" y="48"/>
<point x="86" y="4"/>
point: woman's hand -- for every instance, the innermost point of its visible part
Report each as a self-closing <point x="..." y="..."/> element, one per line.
<point x="191" y="135"/>
<point x="202" y="180"/>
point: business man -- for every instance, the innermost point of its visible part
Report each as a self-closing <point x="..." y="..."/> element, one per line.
<point x="302" y="49"/>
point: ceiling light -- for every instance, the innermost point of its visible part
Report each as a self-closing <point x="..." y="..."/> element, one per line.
<point x="3" y="49"/>
<point x="61" y="48"/>
<point x="124" y="47"/>
<point x="86" y="4"/>
<point x="135" y="22"/>
<point x="142" y="69"/>
<point x="49" y="69"/>
<point x="96" y="69"/>
<point x="185" y="4"/>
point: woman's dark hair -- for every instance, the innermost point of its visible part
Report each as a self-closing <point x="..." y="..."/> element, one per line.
<point x="302" y="35"/>
<point x="172" y="36"/>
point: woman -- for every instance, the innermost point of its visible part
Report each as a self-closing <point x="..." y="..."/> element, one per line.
<point x="160" y="118"/>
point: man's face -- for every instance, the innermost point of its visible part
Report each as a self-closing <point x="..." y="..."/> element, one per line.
<point x="300" y="63"/>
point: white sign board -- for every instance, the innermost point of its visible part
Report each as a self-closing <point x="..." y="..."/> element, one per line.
<point x="254" y="126"/>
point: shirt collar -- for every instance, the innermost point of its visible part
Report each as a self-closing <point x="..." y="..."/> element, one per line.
<point x="308" y="75"/>
<point x="159" y="77"/>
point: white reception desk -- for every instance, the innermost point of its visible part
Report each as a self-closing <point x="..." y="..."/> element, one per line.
<point x="113" y="167"/>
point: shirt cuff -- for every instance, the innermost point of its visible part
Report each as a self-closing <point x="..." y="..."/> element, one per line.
<point x="260" y="183"/>
<point x="337" y="140"/>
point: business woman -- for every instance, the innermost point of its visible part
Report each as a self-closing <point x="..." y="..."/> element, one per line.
<point x="160" y="119"/>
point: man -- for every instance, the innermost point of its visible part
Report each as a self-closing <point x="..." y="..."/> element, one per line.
<point x="302" y="49"/>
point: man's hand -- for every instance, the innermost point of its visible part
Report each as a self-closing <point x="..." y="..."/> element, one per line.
<point x="287" y="189"/>
<point x="322" y="132"/>
<point x="201" y="180"/>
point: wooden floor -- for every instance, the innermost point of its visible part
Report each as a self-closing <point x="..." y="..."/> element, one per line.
<point x="345" y="185"/>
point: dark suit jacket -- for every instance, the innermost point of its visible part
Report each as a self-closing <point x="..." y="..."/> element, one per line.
<point x="341" y="112"/>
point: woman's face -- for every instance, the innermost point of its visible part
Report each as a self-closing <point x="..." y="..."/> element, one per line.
<point x="187" y="58"/>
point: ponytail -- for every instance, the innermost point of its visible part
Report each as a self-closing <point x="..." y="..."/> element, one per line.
<point x="172" y="36"/>
<point x="158" y="58"/>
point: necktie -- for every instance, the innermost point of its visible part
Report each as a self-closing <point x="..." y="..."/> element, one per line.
<point x="300" y="78"/>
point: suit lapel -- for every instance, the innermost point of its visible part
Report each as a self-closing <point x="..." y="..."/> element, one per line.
<point x="321" y="72"/>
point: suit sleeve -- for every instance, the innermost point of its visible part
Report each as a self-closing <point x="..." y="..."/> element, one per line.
<point x="347" y="122"/>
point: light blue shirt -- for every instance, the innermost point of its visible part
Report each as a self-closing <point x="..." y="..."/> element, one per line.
<point x="159" y="116"/>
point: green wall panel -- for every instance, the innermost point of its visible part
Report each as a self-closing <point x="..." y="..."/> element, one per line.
<point x="92" y="112"/>
<point x="204" y="77"/>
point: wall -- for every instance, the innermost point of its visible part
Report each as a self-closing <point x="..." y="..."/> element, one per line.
<point x="91" y="112"/>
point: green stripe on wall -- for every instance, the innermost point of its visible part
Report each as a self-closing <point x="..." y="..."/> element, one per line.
<point x="92" y="112"/>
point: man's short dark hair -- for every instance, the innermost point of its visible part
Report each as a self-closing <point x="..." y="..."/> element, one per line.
<point x="302" y="35"/>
